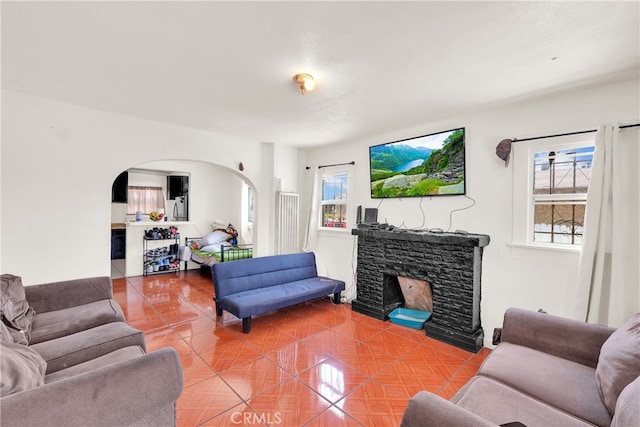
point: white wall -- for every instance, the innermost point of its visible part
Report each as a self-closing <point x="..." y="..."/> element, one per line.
<point x="58" y="164"/>
<point x="286" y="175"/>
<point x="512" y="276"/>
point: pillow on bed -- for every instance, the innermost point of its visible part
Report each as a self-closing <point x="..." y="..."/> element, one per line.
<point x="216" y="247"/>
<point x="215" y="237"/>
<point x="211" y="248"/>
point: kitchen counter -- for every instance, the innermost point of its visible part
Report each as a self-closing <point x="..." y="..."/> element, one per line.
<point x="159" y="224"/>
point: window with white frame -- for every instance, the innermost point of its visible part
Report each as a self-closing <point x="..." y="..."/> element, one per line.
<point x="334" y="201"/>
<point x="553" y="176"/>
<point x="559" y="194"/>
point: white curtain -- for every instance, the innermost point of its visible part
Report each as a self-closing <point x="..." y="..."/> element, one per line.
<point x="314" y="212"/>
<point x="609" y="273"/>
<point x="144" y="199"/>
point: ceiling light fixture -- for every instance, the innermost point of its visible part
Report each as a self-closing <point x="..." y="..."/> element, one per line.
<point x="306" y="82"/>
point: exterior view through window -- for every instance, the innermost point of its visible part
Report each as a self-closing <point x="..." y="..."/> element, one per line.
<point x="334" y="201"/>
<point x="560" y="183"/>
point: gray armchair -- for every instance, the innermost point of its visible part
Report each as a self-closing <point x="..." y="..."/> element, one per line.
<point x="68" y="358"/>
<point x="547" y="370"/>
<point x="142" y="389"/>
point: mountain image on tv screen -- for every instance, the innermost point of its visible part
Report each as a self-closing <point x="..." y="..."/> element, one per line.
<point x="429" y="165"/>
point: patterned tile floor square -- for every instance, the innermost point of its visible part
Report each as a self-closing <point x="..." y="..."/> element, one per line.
<point x="315" y="364"/>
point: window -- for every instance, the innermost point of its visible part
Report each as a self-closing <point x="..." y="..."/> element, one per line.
<point x="551" y="179"/>
<point x="144" y="199"/>
<point x="334" y="201"/>
<point x="249" y="204"/>
<point x="560" y="183"/>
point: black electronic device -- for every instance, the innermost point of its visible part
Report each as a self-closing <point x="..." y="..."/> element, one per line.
<point x="359" y="215"/>
<point x="371" y="216"/>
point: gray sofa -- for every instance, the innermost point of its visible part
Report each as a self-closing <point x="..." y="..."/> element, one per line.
<point x="69" y="358"/>
<point x="249" y="287"/>
<point x="546" y="371"/>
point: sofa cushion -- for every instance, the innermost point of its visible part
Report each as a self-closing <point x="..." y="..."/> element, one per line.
<point x="14" y="308"/>
<point x="619" y="361"/>
<point x="80" y="347"/>
<point x="501" y="404"/>
<point x="429" y="409"/>
<point x="262" y="272"/>
<point x="538" y="374"/>
<point x="569" y="339"/>
<point x="627" y="412"/>
<point x="21" y="368"/>
<point x="68" y="293"/>
<point x="56" y="324"/>
<point x="263" y="300"/>
<point x="116" y="356"/>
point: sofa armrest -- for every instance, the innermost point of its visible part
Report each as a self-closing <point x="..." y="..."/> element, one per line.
<point x="116" y="395"/>
<point x="428" y="409"/>
<point x="566" y="338"/>
<point x="70" y="293"/>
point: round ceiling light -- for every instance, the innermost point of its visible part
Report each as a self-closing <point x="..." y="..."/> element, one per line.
<point x="306" y="82"/>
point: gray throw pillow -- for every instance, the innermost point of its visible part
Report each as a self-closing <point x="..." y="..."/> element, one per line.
<point x="619" y="362"/>
<point x="14" y="308"/>
<point x="627" y="412"/>
<point x="22" y="368"/>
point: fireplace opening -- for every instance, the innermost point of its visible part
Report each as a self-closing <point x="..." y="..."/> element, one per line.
<point x="391" y="292"/>
<point x="417" y="294"/>
<point x="402" y="291"/>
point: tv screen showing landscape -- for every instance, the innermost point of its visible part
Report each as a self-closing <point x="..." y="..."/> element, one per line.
<point x="428" y="165"/>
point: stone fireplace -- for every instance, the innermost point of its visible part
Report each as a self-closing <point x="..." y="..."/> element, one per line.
<point x="449" y="263"/>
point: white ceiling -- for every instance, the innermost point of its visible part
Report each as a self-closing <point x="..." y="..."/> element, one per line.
<point x="227" y="67"/>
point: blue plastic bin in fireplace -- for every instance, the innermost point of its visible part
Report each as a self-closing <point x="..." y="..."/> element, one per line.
<point x="408" y="317"/>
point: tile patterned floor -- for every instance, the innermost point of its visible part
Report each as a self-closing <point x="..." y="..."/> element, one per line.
<point x="314" y="364"/>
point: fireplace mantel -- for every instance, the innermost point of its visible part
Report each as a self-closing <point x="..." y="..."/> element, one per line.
<point x="450" y="262"/>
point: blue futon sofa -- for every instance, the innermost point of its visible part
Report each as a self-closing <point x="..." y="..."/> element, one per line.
<point x="255" y="286"/>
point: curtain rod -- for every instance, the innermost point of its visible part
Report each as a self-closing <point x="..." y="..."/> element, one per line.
<point x="335" y="164"/>
<point x="570" y="133"/>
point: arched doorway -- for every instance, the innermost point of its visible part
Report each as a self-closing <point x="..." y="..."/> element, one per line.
<point x="216" y="194"/>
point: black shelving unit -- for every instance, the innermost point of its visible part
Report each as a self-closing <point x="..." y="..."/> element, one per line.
<point x="160" y="256"/>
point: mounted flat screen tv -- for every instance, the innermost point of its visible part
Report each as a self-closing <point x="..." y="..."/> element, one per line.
<point x="428" y="165"/>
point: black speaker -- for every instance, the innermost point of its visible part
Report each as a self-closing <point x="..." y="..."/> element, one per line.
<point x="177" y="186"/>
<point x="359" y="215"/>
<point x="371" y="216"/>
